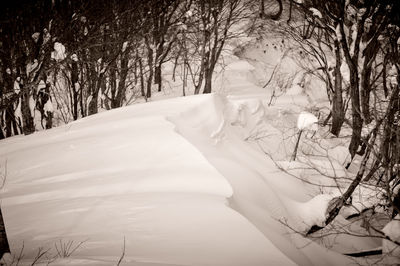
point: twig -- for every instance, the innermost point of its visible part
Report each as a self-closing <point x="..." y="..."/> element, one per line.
<point x="122" y="255"/>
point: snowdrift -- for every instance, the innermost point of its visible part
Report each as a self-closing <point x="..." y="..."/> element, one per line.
<point x="174" y="180"/>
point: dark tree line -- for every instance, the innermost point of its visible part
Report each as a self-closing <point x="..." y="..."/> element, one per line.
<point x="63" y="60"/>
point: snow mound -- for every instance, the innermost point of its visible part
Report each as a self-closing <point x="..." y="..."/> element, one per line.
<point x="59" y="52"/>
<point x="308" y="121"/>
<point x="127" y="174"/>
<point x="392" y="231"/>
<point x="313" y="212"/>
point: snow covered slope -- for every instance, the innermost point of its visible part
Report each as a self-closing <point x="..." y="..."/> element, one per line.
<point x="174" y="178"/>
<point x="171" y="182"/>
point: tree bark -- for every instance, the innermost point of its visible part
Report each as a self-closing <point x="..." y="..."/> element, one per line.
<point x="142" y="89"/>
<point x="208" y="80"/>
<point x="121" y="91"/>
<point x="357" y="121"/>
<point x="75" y="92"/>
<point x="158" y="76"/>
<point x="337" y="99"/>
<point x="365" y="92"/>
<point x="28" y="123"/>
<point x="93" y="104"/>
<point x="151" y="70"/>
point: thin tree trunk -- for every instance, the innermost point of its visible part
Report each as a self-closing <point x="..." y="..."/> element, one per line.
<point x="357" y="121"/>
<point x="141" y="78"/>
<point x="121" y="91"/>
<point x="49" y="119"/>
<point x="93" y="104"/>
<point x="9" y="111"/>
<point x="74" y="81"/>
<point x="365" y="93"/>
<point x="93" y="107"/>
<point x="208" y="72"/>
<point x="337" y="101"/>
<point x="150" y="78"/>
<point x="158" y="76"/>
<point x="28" y="123"/>
<point x="208" y="81"/>
<point x="384" y="78"/>
<point x="150" y="63"/>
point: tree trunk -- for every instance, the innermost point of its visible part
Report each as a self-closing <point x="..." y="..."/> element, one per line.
<point x="370" y="53"/>
<point x="113" y="88"/>
<point x="365" y="93"/>
<point x="96" y="85"/>
<point x="81" y="103"/>
<point x="384" y="77"/>
<point x="337" y="100"/>
<point x="9" y="111"/>
<point x="121" y="91"/>
<point x="158" y="76"/>
<point x="356" y="112"/>
<point x="151" y="70"/>
<point x="28" y="123"/>
<point x="208" y="82"/>
<point x="49" y="119"/>
<point x="93" y="108"/>
<point x="208" y="73"/>
<point x="141" y="78"/>
<point x="74" y="81"/>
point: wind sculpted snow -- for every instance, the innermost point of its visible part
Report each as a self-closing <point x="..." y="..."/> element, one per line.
<point x="173" y="182"/>
<point x="103" y="179"/>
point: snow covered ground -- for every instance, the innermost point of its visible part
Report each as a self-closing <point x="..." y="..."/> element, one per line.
<point x="181" y="181"/>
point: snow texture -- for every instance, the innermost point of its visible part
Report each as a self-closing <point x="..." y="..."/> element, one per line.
<point x="74" y="57"/>
<point x="59" y="52"/>
<point x="392" y="230"/>
<point x="307" y="121"/>
<point x="178" y="179"/>
<point x="316" y="12"/>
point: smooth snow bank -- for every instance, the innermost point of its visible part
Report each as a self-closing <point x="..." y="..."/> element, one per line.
<point x="127" y="174"/>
